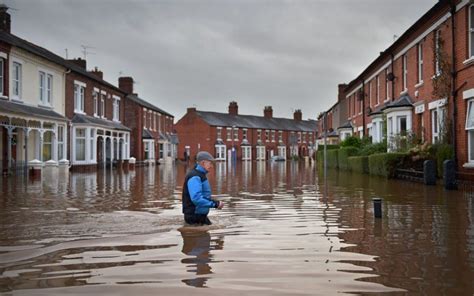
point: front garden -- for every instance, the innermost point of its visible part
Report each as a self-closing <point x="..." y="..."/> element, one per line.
<point x="360" y="155"/>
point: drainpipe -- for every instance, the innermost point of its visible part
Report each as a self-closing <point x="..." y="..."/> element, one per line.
<point x="453" y="80"/>
<point x="363" y="108"/>
<point x="392" y="57"/>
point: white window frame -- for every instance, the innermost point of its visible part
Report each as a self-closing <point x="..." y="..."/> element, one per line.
<point x="229" y="134"/>
<point x="282" y="151"/>
<point x="377" y="91"/>
<point x="116" y="109"/>
<point x="437" y="52"/>
<point x="267" y="136"/>
<point x="244" y="134"/>
<point x="387" y="85"/>
<point x="220" y="152"/>
<point x="370" y="93"/>
<point x="280" y="136"/>
<point x="420" y="62"/>
<point x="405" y="72"/>
<point x="259" y="135"/>
<point x="79" y="94"/>
<point x="144" y="118"/>
<point x="219" y="133"/>
<point x="17" y="74"/>
<point x="236" y="133"/>
<point x="246" y="153"/>
<point x="42" y="86"/>
<point x="95" y="101"/>
<point x="60" y="141"/>
<point x="470" y="131"/>
<point x="76" y="138"/>
<point x="273" y="136"/>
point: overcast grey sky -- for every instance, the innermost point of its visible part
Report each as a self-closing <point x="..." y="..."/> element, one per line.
<point x="287" y="54"/>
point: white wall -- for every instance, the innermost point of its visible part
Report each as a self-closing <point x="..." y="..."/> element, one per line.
<point x="31" y="65"/>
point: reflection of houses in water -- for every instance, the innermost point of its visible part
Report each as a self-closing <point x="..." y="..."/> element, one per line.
<point x="220" y="169"/>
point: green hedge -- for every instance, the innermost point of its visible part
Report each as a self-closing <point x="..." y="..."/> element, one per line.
<point x="343" y="154"/>
<point x="384" y="164"/>
<point x="359" y="164"/>
<point x="332" y="158"/>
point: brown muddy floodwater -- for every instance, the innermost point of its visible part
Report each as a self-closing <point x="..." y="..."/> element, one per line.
<point x="282" y="232"/>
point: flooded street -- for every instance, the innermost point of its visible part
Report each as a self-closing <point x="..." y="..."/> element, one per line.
<point x="282" y="232"/>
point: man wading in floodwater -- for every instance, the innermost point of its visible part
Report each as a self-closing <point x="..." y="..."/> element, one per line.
<point x="197" y="192"/>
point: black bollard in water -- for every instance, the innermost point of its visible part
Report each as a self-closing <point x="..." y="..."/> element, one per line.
<point x="377" y="207"/>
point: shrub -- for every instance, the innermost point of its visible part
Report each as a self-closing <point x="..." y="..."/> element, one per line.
<point x="351" y="142"/>
<point x="343" y="154"/>
<point x="443" y="152"/>
<point x="384" y="164"/>
<point x="359" y="164"/>
<point x="373" y="148"/>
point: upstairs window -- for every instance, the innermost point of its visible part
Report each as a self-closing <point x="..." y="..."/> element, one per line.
<point x="116" y="115"/>
<point x="79" y="91"/>
<point x="471" y="31"/>
<point x="437" y="52"/>
<point x="102" y="105"/>
<point x="95" y="98"/>
<point x="16" y="79"/>
<point x="404" y="71"/>
<point x="244" y="134"/>
<point x="219" y="133"/>
<point x="420" y="63"/>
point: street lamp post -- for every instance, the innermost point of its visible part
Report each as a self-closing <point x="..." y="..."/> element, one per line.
<point x="233" y="147"/>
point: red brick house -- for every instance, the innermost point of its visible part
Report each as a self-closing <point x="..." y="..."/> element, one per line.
<point x="96" y="109"/>
<point x="152" y="132"/>
<point x="422" y="85"/>
<point x="245" y="137"/>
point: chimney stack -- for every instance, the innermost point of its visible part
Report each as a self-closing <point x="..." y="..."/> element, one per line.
<point x="297" y="116"/>
<point x="233" y="108"/>
<point x="126" y="84"/>
<point x="5" y="20"/>
<point x="79" y="62"/>
<point x="268" y="112"/>
<point x="341" y="95"/>
<point x="96" y="72"/>
<point x="191" y="110"/>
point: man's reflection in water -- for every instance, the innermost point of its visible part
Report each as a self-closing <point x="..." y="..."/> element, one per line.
<point x="197" y="244"/>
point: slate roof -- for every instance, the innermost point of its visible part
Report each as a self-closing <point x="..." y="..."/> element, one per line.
<point x="144" y="103"/>
<point x="146" y="134"/>
<point x="257" y="122"/>
<point x="347" y="124"/>
<point x="403" y="101"/>
<point x="85" y="119"/>
<point x="22" y="109"/>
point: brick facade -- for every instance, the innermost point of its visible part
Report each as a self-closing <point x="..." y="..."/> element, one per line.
<point x="196" y="134"/>
<point x="446" y="24"/>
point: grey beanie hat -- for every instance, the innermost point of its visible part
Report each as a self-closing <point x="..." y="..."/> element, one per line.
<point x="204" y="155"/>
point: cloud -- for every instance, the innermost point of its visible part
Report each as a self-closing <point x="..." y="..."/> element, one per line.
<point x="288" y="54"/>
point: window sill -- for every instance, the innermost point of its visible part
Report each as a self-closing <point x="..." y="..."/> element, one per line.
<point x="79" y="112"/>
<point x="3" y="97"/>
<point x="17" y="100"/>
<point x="468" y="165"/>
<point x="419" y="84"/>
<point x="469" y="61"/>
<point x="45" y="106"/>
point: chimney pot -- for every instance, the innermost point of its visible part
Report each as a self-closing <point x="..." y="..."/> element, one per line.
<point x="268" y="112"/>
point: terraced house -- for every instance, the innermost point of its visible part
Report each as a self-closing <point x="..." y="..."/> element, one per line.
<point x="152" y="130"/>
<point x="245" y="137"/>
<point x="96" y="110"/>
<point x="33" y="126"/>
<point x="422" y="85"/>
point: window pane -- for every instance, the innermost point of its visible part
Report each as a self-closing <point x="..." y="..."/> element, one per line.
<point x="472" y="16"/>
<point x="403" y="124"/>
<point x="470" y="115"/>
<point x="471" y="145"/>
<point x="472" y="43"/>
<point x="80" y="149"/>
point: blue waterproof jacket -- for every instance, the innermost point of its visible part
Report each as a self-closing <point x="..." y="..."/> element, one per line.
<point x="197" y="192"/>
